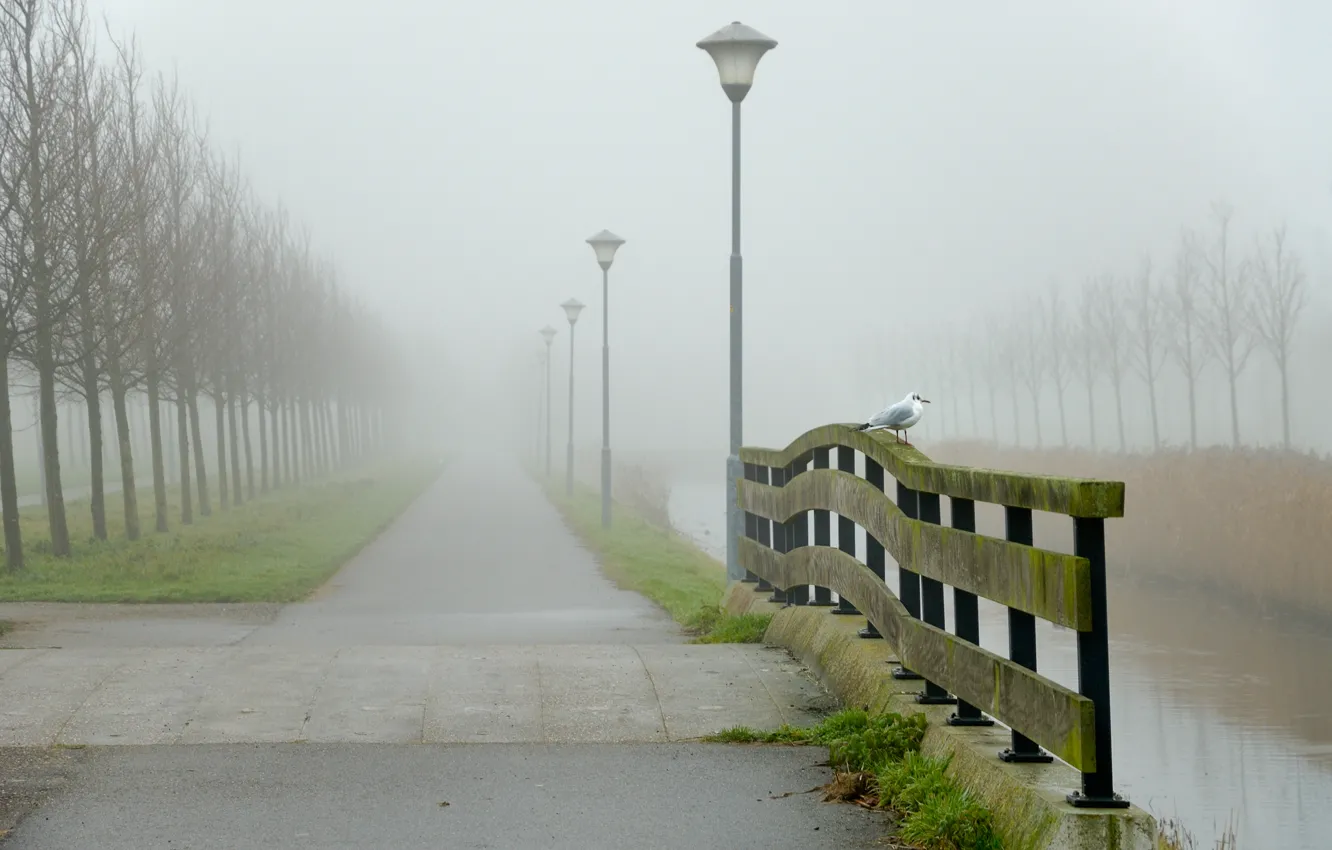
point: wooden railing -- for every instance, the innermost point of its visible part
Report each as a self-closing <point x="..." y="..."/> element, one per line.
<point x="780" y="490"/>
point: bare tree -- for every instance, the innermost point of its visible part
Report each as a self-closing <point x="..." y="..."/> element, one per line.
<point x="1110" y="324"/>
<point x="1280" y="296"/>
<point x="39" y="60"/>
<point x="1183" y="308"/>
<point x="1227" y="326"/>
<point x="1147" y="346"/>
<point x="1055" y="340"/>
<point x="1030" y="352"/>
<point x="1086" y="348"/>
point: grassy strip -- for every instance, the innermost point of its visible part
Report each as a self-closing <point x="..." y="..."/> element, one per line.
<point x="877" y="763"/>
<point x="661" y="565"/>
<point x="277" y="548"/>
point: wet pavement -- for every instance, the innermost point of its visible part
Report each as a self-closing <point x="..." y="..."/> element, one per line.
<point x="476" y="619"/>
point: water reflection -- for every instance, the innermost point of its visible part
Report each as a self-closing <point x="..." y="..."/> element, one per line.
<point x="1220" y="713"/>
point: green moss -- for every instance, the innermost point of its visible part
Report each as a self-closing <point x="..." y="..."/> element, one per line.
<point x="1055" y="494"/>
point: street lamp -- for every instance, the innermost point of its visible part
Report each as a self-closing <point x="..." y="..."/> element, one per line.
<point x="737" y="50"/>
<point x="548" y="333"/>
<point x="572" y="308"/>
<point x="605" y="244"/>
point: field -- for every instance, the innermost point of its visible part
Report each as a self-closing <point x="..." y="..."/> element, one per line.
<point x="1252" y="524"/>
<point x="276" y="548"/>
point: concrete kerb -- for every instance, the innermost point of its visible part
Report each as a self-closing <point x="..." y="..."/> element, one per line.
<point x="1028" y="801"/>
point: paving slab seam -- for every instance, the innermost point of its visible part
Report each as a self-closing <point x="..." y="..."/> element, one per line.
<point x="86" y="697"/>
<point x="781" y="712"/>
<point x="656" y="696"/>
<point x="314" y="694"/>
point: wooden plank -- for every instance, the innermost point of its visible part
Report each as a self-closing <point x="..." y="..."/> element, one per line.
<point x="1050" y="585"/>
<point x="1051" y="715"/>
<point x="1079" y="497"/>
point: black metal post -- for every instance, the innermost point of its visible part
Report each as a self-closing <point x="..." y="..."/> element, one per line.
<point x="966" y="613"/>
<point x="932" y="598"/>
<point x="1094" y="670"/>
<point x="908" y="581"/>
<point x="1021" y="639"/>
<point x="797" y="535"/>
<point x="779" y="541"/>
<point x="846" y="528"/>
<point x="751" y="520"/>
<point x="822" y="530"/>
<point x="875" y="558"/>
<point x="764" y="531"/>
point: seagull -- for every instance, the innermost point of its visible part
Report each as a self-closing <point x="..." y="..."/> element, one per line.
<point x="897" y="417"/>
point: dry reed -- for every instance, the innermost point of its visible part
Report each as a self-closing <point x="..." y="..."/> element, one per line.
<point x="1251" y="523"/>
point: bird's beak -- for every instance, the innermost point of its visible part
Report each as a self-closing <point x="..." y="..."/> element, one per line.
<point x="926" y="400"/>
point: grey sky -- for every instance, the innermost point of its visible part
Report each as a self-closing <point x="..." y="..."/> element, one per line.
<point x="902" y="160"/>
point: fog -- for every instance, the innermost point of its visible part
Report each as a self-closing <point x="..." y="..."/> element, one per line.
<point x="907" y="168"/>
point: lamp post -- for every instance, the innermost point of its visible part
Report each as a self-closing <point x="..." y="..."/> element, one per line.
<point x="737" y="50"/>
<point x="572" y="308"/>
<point x="605" y="244"/>
<point x="548" y="333"/>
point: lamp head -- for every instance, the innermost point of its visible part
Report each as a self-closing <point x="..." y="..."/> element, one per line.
<point x="737" y="50"/>
<point x="605" y="244"/>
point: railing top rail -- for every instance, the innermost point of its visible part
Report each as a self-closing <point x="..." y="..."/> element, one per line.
<point x="1076" y="497"/>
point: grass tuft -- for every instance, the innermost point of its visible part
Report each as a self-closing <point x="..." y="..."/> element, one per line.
<point x="876" y="762"/>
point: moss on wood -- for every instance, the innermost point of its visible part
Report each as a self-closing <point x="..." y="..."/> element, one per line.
<point x="1078" y="497"/>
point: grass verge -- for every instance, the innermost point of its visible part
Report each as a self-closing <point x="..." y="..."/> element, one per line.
<point x="660" y="564"/>
<point x="877" y="763"/>
<point x="276" y="548"/>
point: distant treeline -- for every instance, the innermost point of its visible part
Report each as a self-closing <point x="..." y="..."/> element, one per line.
<point x="1068" y="366"/>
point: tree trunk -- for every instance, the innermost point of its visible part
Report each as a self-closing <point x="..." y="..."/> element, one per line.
<point x="1119" y="411"/>
<point x="1091" y="408"/>
<point x="275" y="422"/>
<point x="50" y="427"/>
<point x="307" y="439"/>
<point x="200" y="469"/>
<point x="128" y="490"/>
<point x="249" y="455"/>
<point x="263" y="445"/>
<point x="1063" y="420"/>
<point x="155" y="438"/>
<point x="281" y="421"/>
<point x="1234" y="407"/>
<point x="97" y="472"/>
<point x="236" y="498"/>
<point x="8" y="479"/>
<point x="183" y="450"/>
<point x="219" y="414"/>
<point x="1285" y="404"/>
<point x="1036" y="415"/>
<point x="294" y="447"/>
<point x="334" y="455"/>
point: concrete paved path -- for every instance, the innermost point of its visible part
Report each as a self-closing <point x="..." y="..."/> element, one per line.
<point x="476" y="618"/>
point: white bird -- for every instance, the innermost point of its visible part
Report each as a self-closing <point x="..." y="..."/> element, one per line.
<point x="898" y="417"/>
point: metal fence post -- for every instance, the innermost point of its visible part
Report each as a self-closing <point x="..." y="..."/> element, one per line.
<point x="966" y="612"/>
<point x="1021" y="639"/>
<point x="1094" y="670"/>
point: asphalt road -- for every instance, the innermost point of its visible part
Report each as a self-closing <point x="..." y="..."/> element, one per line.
<point x="473" y="654"/>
